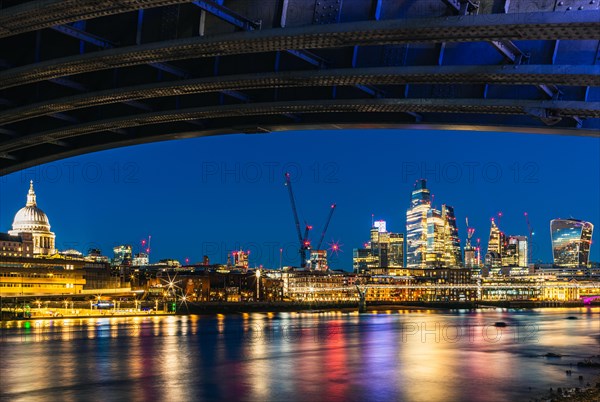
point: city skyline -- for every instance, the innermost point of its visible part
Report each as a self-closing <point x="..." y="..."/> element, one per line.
<point x="323" y="179"/>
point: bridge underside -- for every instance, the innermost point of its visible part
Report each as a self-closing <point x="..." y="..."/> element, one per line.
<point x="78" y="76"/>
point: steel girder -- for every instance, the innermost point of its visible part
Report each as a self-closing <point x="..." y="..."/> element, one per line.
<point x="34" y="15"/>
<point x="557" y="109"/>
<point x="534" y="26"/>
<point x="293" y="66"/>
<point x="474" y="74"/>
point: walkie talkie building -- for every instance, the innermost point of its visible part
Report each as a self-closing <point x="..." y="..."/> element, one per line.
<point x="571" y="240"/>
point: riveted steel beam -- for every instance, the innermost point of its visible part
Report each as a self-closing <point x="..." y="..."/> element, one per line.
<point x="569" y="75"/>
<point x="228" y="15"/>
<point x="555" y="109"/>
<point x="34" y="15"/>
<point x="579" y="26"/>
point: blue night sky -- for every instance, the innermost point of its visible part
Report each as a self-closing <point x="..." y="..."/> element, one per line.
<point x="211" y="195"/>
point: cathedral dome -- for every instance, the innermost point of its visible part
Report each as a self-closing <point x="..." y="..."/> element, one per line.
<point x="30" y="217"/>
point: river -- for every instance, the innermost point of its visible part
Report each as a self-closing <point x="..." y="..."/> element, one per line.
<point x="388" y="355"/>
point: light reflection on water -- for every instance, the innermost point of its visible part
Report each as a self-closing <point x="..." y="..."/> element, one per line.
<point x="392" y="355"/>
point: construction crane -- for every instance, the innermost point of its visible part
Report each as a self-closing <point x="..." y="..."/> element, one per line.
<point x="326" y="226"/>
<point x="304" y="243"/>
<point x="469" y="250"/>
<point x="470" y="233"/>
<point x="304" y="239"/>
<point x="529" y="238"/>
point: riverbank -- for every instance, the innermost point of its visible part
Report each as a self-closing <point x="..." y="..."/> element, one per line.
<point x="247" y="307"/>
<point x="350" y="306"/>
<point x="585" y="393"/>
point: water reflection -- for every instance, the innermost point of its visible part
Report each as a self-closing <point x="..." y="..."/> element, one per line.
<point x="392" y="355"/>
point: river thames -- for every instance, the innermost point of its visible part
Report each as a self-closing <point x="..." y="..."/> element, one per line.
<point x="409" y="355"/>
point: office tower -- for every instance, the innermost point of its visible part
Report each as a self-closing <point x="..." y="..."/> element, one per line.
<point x="417" y="226"/>
<point x="452" y="254"/>
<point x="123" y="255"/>
<point x="383" y="250"/>
<point x="571" y="241"/>
<point x="515" y="252"/>
<point x="431" y="234"/>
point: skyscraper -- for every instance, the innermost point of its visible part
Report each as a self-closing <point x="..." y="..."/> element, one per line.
<point x="571" y="241"/>
<point x="495" y="250"/>
<point x="515" y="252"/>
<point x="396" y="250"/>
<point x="432" y="235"/>
<point x="452" y="253"/>
<point x="416" y="226"/>
<point x="384" y="250"/>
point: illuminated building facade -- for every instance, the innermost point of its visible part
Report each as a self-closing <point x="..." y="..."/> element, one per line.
<point x="52" y="276"/>
<point x="431" y="234"/>
<point x="16" y="246"/>
<point x="452" y="253"/>
<point x="471" y="253"/>
<point x="495" y="250"/>
<point x="443" y="244"/>
<point x="383" y="250"/>
<point x="95" y="255"/>
<point x="34" y="276"/>
<point x="140" y="260"/>
<point x="363" y="260"/>
<point x="240" y="259"/>
<point x="30" y="264"/>
<point x="396" y="250"/>
<point x="32" y="221"/>
<point x="416" y="226"/>
<point x="470" y="256"/>
<point x="506" y="251"/>
<point x="435" y="239"/>
<point x="304" y="285"/>
<point x="318" y="260"/>
<point x="515" y="252"/>
<point x="571" y="241"/>
<point x="122" y="255"/>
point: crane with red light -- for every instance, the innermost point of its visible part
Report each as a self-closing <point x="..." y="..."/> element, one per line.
<point x="303" y="239"/>
<point x="470" y="250"/>
<point x="529" y="238"/>
<point x="326" y="226"/>
<point x="470" y="232"/>
<point x="304" y="242"/>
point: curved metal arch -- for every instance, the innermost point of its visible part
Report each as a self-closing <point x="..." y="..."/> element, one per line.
<point x="34" y="15"/>
<point x="525" y="75"/>
<point x="58" y="154"/>
<point x="530" y="26"/>
<point x="479" y="106"/>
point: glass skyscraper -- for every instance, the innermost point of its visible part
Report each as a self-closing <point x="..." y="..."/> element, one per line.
<point x="431" y="234"/>
<point x="452" y="253"/>
<point x="495" y="250"/>
<point x="416" y="225"/>
<point x="571" y="240"/>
